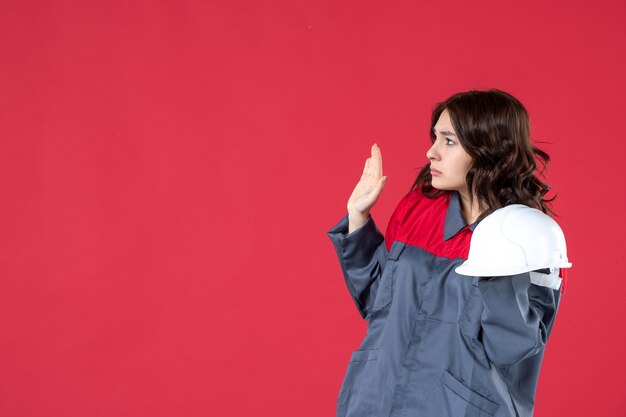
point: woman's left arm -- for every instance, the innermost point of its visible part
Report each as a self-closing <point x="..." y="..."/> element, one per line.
<point x="517" y="317"/>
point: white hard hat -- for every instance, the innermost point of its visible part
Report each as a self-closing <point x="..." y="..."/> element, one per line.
<point x="513" y="240"/>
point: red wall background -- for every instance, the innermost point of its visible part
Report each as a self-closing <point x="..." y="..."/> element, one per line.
<point x="168" y="170"/>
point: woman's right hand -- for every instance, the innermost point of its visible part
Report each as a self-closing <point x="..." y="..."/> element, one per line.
<point x="367" y="190"/>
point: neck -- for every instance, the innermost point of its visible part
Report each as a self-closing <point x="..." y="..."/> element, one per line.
<point x="470" y="212"/>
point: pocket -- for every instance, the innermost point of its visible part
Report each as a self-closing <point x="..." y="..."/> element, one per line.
<point x="364" y="355"/>
<point x="384" y="292"/>
<point x="359" y="391"/>
<point x="459" y="397"/>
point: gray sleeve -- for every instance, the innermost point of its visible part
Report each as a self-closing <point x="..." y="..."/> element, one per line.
<point x="362" y="255"/>
<point x="517" y="318"/>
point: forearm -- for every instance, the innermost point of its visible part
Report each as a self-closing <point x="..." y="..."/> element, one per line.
<point x="356" y="220"/>
<point x="516" y="319"/>
<point x="361" y="255"/>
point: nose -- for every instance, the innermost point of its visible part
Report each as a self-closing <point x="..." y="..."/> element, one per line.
<point x="432" y="153"/>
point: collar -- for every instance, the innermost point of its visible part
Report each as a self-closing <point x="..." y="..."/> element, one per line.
<point x="454" y="220"/>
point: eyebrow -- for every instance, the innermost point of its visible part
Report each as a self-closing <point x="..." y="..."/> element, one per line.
<point x="444" y="132"/>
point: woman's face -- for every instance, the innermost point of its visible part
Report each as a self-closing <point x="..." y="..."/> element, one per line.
<point x="449" y="162"/>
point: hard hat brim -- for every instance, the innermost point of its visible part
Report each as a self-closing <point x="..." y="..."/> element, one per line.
<point x="500" y="271"/>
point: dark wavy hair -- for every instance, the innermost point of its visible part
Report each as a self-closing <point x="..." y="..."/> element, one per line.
<point x="494" y="129"/>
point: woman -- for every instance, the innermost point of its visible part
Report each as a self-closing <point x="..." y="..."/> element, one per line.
<point x="438" y="343"/>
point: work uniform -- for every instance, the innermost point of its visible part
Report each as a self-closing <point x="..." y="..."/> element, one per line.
<point x="438" y="344"/>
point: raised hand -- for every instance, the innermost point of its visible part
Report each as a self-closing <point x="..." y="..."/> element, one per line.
<point x="367" y="190"/>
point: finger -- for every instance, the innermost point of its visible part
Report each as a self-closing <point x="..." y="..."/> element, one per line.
<point x="373" y="193"/>
<point x="366" y="168"/>
<point x="378" y="188"/>
<point x="377" y="162"/>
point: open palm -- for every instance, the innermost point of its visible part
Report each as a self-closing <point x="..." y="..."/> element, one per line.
<point x="368" y="188"/>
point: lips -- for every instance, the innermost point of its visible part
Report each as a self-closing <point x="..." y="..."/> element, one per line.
<point x="433" y="171"/>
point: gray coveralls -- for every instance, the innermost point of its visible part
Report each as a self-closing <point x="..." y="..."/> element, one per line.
<point x="438" y="344"/>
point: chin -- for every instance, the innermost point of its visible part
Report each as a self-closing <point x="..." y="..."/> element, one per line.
<point x="443" y="186"/>
<point x="439" y="186"/>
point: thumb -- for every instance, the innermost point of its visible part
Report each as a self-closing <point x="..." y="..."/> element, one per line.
<point x="379" y="186"/>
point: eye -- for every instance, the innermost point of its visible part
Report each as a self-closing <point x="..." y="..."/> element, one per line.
<point x="449" y="141"/>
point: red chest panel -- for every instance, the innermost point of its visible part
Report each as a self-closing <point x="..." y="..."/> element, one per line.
<point x="419" y="221"/>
